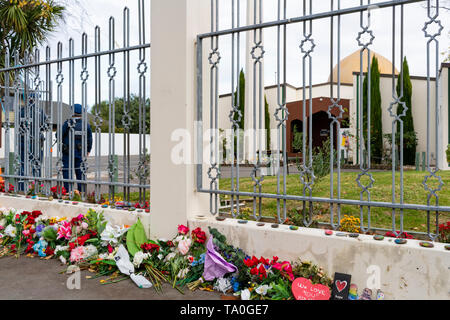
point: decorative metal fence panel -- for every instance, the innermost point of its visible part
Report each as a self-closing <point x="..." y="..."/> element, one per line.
<point x="208" y="108"/>
<point x="51" y="147"/>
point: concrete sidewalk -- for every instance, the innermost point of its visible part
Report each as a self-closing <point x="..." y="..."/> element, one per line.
<point x="33" y="278"/>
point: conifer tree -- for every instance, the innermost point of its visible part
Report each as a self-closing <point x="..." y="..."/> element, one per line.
<point x="409" y="135"/>
<point x="376" y="127"/>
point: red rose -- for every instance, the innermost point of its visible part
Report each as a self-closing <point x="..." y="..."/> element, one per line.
<point x="49" y="251"/>
<point x="110" y="249"/>
<point x="254" y="271"/>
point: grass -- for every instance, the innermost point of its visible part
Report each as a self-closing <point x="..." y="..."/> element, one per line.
<point x="134" y="196"/>
<point x="381" y="191"/>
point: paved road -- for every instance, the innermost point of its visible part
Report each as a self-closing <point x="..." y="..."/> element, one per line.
<point x="33" y="278"/>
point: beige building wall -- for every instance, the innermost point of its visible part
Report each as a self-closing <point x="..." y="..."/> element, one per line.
<point x="419" y="108"/>
<point x="444" y="115"/>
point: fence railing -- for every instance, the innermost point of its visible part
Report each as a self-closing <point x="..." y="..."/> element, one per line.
<point x="55" y="112"/>
<point x="208" y="109"/>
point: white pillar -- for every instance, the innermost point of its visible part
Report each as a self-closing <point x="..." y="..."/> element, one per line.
<point x="444" y="117"/>
<point x="249" y="86"/>
<point x="175" y="25"/>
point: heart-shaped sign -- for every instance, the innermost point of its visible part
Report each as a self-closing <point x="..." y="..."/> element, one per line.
<point x="340" y="285"/>
<point x="303" y="289"/>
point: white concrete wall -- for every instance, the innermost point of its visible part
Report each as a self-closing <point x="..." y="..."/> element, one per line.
<point x="104" y="142"/>
<point x="406" y="271"/>
<point x="56" y="209"/>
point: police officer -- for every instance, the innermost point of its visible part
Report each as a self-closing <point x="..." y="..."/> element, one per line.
<point x="31" y="118"/>
<point x="77" y="146"/>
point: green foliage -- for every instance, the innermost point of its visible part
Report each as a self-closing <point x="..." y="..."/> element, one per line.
<point x="376" y="130"/>
<point x="49" y="234"/>
<point x="26" y="24"/>
<point x="133" y="109"/>
<point x="281" y="290"/>
<point x="131" y="244"/>
<point x="308" y="270"/>
<point x="267" y="122"/>
<point x="321" y="161"/>
<point x="241" y="99"/>
<point x="448" y="154"/>
<point x="96" y="220"/>
<point x="410" y="140"/>
<point x="139" y="234"/>
<point x="297" y="142"/>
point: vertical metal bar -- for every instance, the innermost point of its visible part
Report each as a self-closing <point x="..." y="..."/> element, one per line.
<point x="433" y="192"/>
<point x="7" y="109"/>
<point x="71" y="122"/>
<point x="126" y="104"/>
<point x="49" y="120"/>
<point x="142" y="69"/>
<point x="97" y="118"/>
<point x="18" y="126"/>
<point x="233" y="104"/>
<point x="84" y="77"/>
<point x="307" y="171"/>
<point x="335" y="119"/>
<point x="59" y="81"/>
<point x="112" y="111"/>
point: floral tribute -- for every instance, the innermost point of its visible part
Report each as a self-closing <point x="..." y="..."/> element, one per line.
<point x="191" y="260"/>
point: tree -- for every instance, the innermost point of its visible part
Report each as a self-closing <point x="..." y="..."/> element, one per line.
<point x="241" y="107"/>
<point x="119" y="113"/>
<point x="24" y="25"/>
<point x="376" y="129"/>
<point x="267" y="122"/>
<point x="241" y="100"/>
<point x="409" y="134"/>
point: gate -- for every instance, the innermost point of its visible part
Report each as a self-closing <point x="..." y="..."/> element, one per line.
<point x="46" y="152"/>
<point x="208" y="109"/>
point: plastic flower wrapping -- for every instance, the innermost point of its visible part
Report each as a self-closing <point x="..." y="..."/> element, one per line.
<point x="193" y="260"/>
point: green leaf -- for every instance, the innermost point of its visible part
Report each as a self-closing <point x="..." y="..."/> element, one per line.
<point x="49" y="234"/>
<point x="139" y="234"/>
<point x="131" y="244"/>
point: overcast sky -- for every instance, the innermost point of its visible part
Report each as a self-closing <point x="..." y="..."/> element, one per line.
<point x="86" y="14"/>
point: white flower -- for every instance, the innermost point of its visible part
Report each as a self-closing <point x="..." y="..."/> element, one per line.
<point x="11" y="231"/>
<point x="3" y="222"/>
<point x="90" y="251"/>
<point x="183" y="273"/>
<point x="103" y="256"/>
<point x="1" y="236"/>
<point x="223" y="285"/>
<point x="160" y="256"/>
<point x="41" y="218"/>
<point x="245" y="294"/>
<point x="111" y="234"/>
<point x="170" y="256"/>
<point x="138" y="258"/>
<point x="63" y="260"/>
<point x="262" y="290"/>
<point x="61" y="248"/>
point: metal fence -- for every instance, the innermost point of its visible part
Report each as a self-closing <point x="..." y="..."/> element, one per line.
<point x="365" y="181"/>
<point x="50" y="149"/>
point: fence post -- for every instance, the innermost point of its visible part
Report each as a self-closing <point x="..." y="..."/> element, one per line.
<point x="417" y="161"/>
<point x="423" y="161"/>
<point x="175" y="25"/>
<point x="11" y="167"/>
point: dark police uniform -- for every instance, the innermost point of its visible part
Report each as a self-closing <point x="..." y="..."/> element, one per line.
<point x="77" y="147"/>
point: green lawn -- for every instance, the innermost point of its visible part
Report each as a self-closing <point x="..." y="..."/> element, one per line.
<point x="381" y="191"/>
